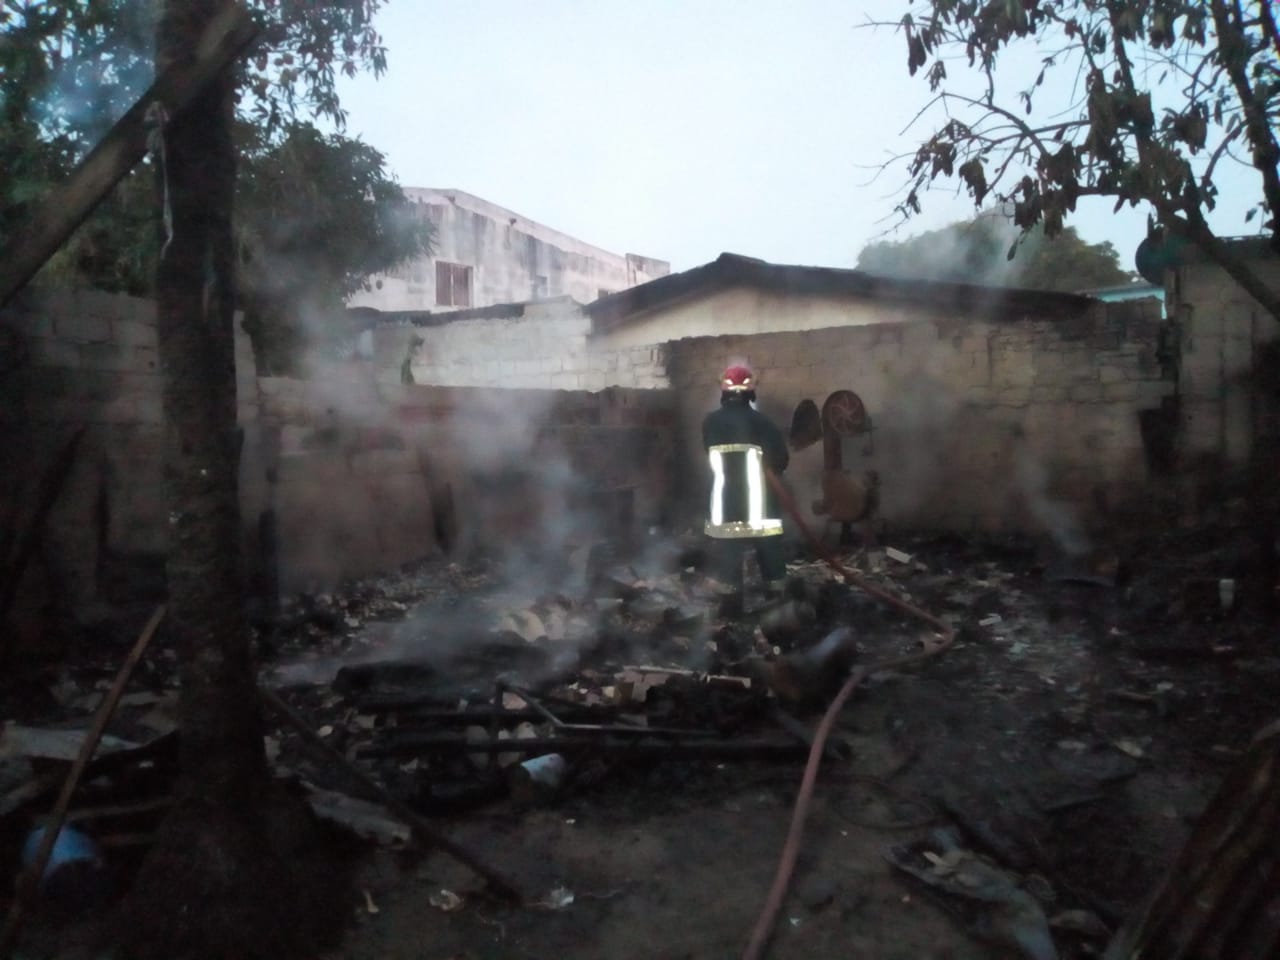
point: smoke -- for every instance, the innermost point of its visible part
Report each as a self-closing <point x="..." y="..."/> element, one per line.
<point x="94" y="80"/>
<point x="973" y="251"/>
<point x="516" y="463"/>
<point x="1057" y="518"/>
<point x="918" y="433"/>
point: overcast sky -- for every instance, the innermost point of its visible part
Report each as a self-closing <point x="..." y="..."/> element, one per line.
<point x="677" y="129"/>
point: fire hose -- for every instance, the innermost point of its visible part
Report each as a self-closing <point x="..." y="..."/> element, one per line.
<point x="800" y="813"/>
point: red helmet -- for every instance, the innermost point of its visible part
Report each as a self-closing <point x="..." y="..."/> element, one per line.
<point x="737" y="379"/>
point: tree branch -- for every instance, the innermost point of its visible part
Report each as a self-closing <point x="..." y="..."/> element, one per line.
<point x="120" y="150"/>
<point x="1233" y="131"/>
<point x="1266" y="150"/>
<point x="1017" y="122"/>
<point x="1269" y="26"/>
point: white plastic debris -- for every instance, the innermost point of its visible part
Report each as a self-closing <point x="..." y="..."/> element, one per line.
<point x="1129" y="748"/>
<point x="445" y="900"/>
<point x="557" y="899"/>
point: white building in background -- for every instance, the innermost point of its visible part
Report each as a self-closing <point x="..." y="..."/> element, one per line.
<point x="485" y="255"/>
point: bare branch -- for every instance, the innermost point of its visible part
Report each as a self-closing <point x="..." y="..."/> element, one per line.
<point x="1165" y="95"/>
<point x="1266" y="149"/>
<point x="1233" y="131"/>
<point x="940" y="98"/>
<point x="1268" y="23"/>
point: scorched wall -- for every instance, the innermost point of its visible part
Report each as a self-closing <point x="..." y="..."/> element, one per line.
<point x="1011" y="424"/>
<point x="341" y="475"/>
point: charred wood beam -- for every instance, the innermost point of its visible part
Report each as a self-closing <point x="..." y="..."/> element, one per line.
<point x="833" y="750"/>
<point x="1221" y="898"/>
<point x="125" y="144"/>
<point x="424" y="832"/>
<point x="701" y="748"/>
<point x="480" y="715"/>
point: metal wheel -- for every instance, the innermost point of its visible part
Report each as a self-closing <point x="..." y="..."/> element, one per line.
<point x="844" y="414"/>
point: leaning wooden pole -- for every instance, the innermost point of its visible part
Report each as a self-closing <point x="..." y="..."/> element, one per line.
<point x="30" y="878"/>
<point x="124" y="145"/>
<point x="1221" y="898"/>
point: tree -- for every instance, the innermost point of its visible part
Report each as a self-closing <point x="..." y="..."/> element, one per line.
<point x="318" y="215"/>
<point x="234" y="870"/>
<point x="69" y="68"/>
<point x="1166" y="92"/>
<point x="309" y="205"/>
<point x="975" y="252"/>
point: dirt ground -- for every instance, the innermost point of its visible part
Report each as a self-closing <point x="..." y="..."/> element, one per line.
<point x="1070" y="737"/>
<point x="1073" y="741"/>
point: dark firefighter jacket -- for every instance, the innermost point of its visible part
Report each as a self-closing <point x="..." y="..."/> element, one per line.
<point x="736" y="422"/>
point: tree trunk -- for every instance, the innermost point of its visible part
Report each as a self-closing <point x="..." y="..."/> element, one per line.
<point x="1221" y="899"/>
<point x="219" y="712"/>
<point x="236" y="870"/>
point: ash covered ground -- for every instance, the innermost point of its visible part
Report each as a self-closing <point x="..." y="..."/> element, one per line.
<point x="1058" y="752"/>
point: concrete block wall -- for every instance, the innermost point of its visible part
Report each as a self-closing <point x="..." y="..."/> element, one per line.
<point x="547" y="347"/>
<point x="84" y="359"/>
<point x="89" y="359"/>
<point x="978" y="424"/>
<point x="1223" y="333"/>
<point x="344" y="488"/>
<point x="365" y="475"/>
<point x="355" y="471"/>
<point x="1229" y="404"/>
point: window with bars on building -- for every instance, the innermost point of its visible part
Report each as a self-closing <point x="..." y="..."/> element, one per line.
<point x="453" y="284"/>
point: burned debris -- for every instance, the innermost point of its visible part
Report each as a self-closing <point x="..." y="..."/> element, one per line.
<point x="439" y="692"/>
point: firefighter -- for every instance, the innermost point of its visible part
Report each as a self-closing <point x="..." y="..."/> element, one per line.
<point x="742" y="443"/>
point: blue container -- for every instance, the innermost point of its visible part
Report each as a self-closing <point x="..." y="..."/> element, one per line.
<point x="75" y="876"/>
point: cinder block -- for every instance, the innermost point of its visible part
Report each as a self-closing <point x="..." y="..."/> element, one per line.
<point x="1011" y="396"/>
<point x="45" y="352"/>
<point x="82" y="328"/>
<point x="148" y="406"/>
<point x="121" y="409"/>
<point x="107" y="356"/>
<point x="146" y="359"/>
<point x="1111" y="374"/>
<point x="96" y="386"/>
<point x="1049" y="393"/>
<point x="1151" y="392"/>
<point x="29" y="322"/>
<point x="1120" y="392"/>
<point x="133" y="333"/>
<point x="1085" y="392"/>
